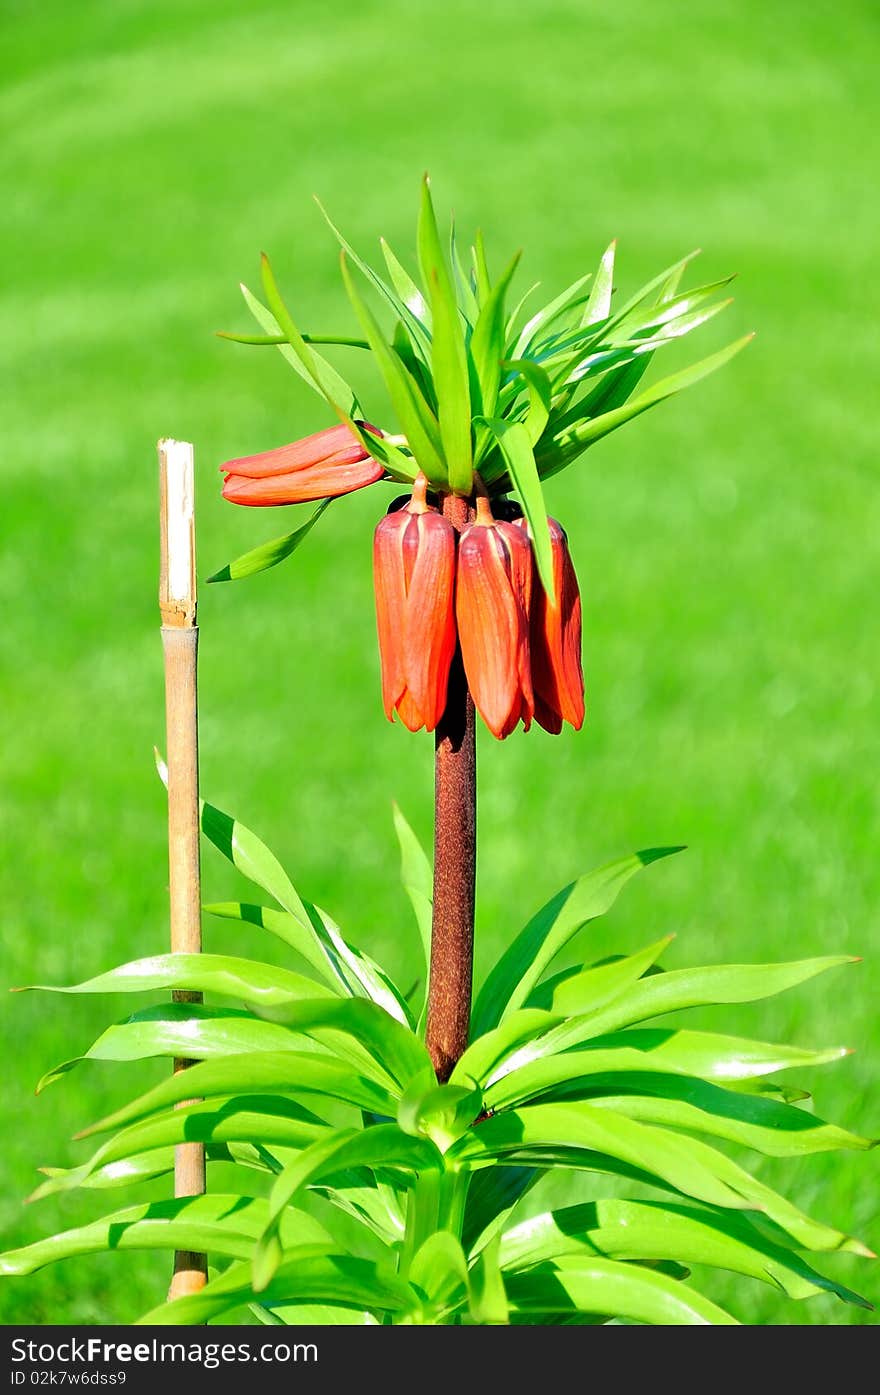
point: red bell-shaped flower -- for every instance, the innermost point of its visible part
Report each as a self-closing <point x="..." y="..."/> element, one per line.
<point x="321" y="466"/>
<point x="493" y="597"/>
<point x="555" y="641"/>
<point x="414" y="576"/>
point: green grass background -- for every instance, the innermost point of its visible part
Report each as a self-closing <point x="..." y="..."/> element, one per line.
<point x="726" y="544"/>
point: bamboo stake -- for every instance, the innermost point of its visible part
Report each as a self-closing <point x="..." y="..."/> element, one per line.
<point x="180" y="640"/>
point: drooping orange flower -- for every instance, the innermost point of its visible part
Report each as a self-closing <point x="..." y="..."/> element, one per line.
<point x="414" y="575"/>
<point x="493" y="596"/>
<point x="555" y="641"/>
<point x="321" y="466"/>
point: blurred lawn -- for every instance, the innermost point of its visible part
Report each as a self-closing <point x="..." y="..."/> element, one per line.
<point x="727" y="544"/>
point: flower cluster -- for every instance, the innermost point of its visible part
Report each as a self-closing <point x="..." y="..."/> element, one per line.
<point x="520" y="647"/>
<point x="437" y="590"/>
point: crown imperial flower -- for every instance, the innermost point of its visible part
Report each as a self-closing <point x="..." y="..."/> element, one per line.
<point x="493" y="596"/>
<point x="555" y="641"/>
<point x="321" y="466"/>
<point x="414" y="575"/>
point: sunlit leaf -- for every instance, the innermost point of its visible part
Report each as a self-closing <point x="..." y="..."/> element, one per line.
<point x="269" y="554"/>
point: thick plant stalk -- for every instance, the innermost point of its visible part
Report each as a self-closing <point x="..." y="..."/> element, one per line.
<point x="455" y="831"/>
<point x="180" y="639"/>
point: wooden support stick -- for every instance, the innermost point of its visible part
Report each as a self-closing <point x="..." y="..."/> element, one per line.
<point x="180" y="641"/>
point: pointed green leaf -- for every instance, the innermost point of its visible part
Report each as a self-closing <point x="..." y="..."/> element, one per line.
<point x="253" y="1120"/>
<point x="416" y="328"/>
<point x="598" y="307"/>
<point x="548" y="313"/>
<point x="685" y="1164"/>
<point x="487" y="341"/>
<point x="564" y="449"/>
<point x="311" y="366"/>
<point x="263" y="985"/>
<point x="415" y="416"/>
<point x="383" y="1145"/>
<point x="267" y="1072"/>
<point x="652" y="1230"/>
<point x="417" y="879"/>
<point x="448" y="357"/>
<point x="518" y="970"/>
<point x="706" y="1055"/>
<point x="577" y="992"/>
<point x="224" y="1225"/>
<point x="779" y="1130"/>
<point x="269" y="554"/>
<point x="678" y="989"/>
<point x="439" y="1269"/>
<point x="513" y="439"/>
<point x="405" y="286"/>
<point x="604" y="1286"/>
<point x="310" y="1274"/>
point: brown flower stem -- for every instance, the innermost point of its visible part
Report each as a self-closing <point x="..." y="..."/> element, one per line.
<point x="455" y="861"/>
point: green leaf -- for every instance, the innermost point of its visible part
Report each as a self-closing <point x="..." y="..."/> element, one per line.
<point x="419" y="424"/>
<point x="269" y="554"/>
<point x="659" y="283"/>
<point x="540" y="396"/>
<point x="513" y="440"/>
<point x="448" y="356"/>
<point x="267" y="1073"/>
<point x="339" y="340"/>
<point x="354" y="1029"/>
<point x="547" y="314"/>
<point x="532" y="1028"/>
<point x="442" y="1113"/>
<point x="605" y="1286"/>
<point x="311" y="366"/>
<point x="684" y="1164"/>
<point x="418" y="881"/>
<point x="776" y="1129"/>
<point x="492" y="1195"/>
<point x="418" y="333"/>
<point x="598" y="307"/>
<point x="688" y="1165"/>
<point x="310" y="1274"/>
<point x="288" y="928"/>
<point x="439" y="1269"/>
<point x="134" y="1168"/>
<point x="703" y="1054"/>
<point x="627" y="326"/>
<point x="487" y="341"/>
<point x="487" y="1298"/>
<point x="572" y="443"/>
<point x="186" y="1030"/>
<point x="521" y="966"/>
<point x="315" y="936"/>
<point x="677" y="989"/>
<point x="481" y="269"/>
<point x="579" y="992"/>
<point x="464" y="291"/>
<point x="671" y="992"/>
<point x="254" y="1120"/>
<point x="263" y="985"/>
<point x="640" y="1230"/>
<point x="406" y="288"/>
<point x="223" y="1225"/>
<point x="365" y="975"/>
<point x="383" y="1145"/>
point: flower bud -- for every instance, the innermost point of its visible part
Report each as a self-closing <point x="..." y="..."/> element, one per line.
<point x="555" y="641"/>
<point x="414" y="576"/>
<point x="322" y="466"/>
<point x="493" y="595"/>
